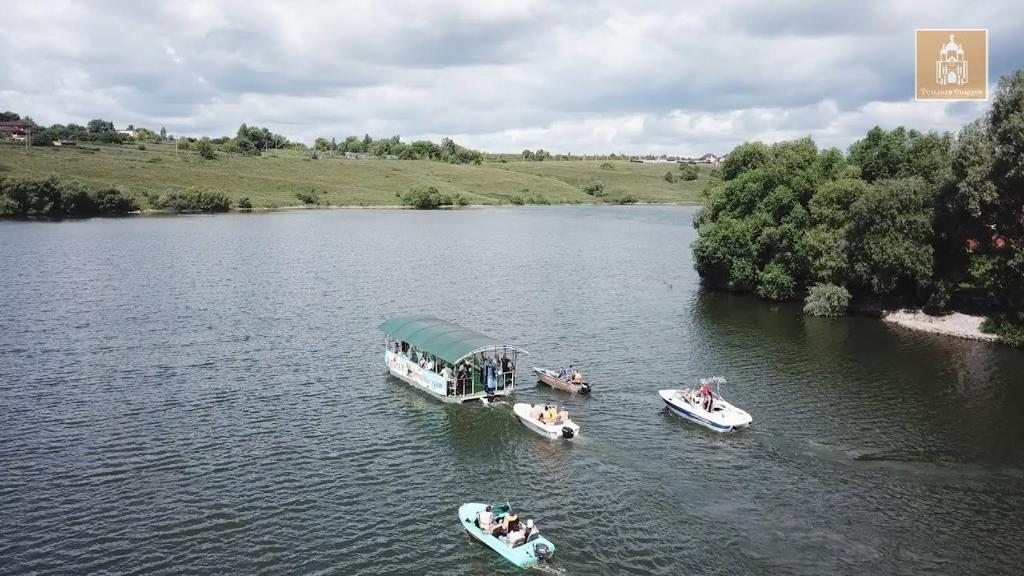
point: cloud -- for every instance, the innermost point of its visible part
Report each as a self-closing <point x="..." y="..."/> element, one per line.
<point x="500" y="75"/>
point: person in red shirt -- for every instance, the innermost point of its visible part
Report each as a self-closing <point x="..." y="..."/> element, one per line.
<point x="706" y="397"/>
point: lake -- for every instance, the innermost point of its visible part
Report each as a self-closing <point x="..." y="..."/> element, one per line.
<point x="207" y="395"/>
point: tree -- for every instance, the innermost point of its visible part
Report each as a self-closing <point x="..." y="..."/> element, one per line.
<point x="669" y="177"/>
<point x="902" y="153"/>
<point x="98" y="126"/>
<point x="890" y="237"/>
<point x="9" y="116"/>
<point x="321" y="144"/>
<point x="426" y="198"/>
<point x="753" y="230"/>
<point x="205" y="149"/>
<point x="163" y="133"/>
<point x="527" y="154"/>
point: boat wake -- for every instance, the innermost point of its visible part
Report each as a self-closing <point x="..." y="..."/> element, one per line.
<point x="545" y="567"/>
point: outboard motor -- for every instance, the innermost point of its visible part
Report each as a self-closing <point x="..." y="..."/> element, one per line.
<point x="585" y="389"/>
<point x="542" y="551"/>
<point x="567" y="432"/>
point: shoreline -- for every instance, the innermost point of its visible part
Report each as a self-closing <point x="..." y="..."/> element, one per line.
<point x="957" y="324"/>
<point x="299" y="207"/>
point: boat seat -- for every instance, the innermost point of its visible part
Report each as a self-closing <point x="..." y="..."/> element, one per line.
<point x="533" y="536"/>
<point x="517" y="542"/>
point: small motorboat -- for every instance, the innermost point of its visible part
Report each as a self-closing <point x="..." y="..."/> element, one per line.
<point x="527" y="548"/>
<point x="532" y="416"/>
<point x="690" y="404"/>
<point x="550" y="377"/>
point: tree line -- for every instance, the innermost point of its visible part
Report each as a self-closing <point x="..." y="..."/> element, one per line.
<point x="904" y="219"/>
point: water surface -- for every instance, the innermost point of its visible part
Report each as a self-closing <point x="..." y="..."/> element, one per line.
<point x="207" y="395"/>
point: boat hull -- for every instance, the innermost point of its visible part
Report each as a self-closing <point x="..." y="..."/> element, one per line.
<point x="551" y="378"/>
<point x="728" y="420"/>
<point x="552" y="431"/>
<point x="522" y="556"/>
<point x="429" y="383"/>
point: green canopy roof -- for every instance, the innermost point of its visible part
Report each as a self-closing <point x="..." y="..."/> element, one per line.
<point x="445" y="340"/>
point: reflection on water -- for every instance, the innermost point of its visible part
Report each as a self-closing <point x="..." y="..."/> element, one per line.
<point x="207" y="395"/>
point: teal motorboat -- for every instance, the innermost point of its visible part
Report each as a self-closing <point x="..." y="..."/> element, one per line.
<point x="525" y="550"/>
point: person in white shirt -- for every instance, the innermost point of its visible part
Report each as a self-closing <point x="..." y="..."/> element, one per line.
<point x="446" y="372"/>
<point x="531" y="528"/>
<point x="486" y="519"/>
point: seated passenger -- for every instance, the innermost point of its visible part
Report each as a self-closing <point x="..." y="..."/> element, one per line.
<point x="550" y="414"/>
<point x="429" y="365"/>
<point x="486" y="519"/>
<point x="516" y="536"/>
<point x="531" y="529"/>
<point x="577" y="377"/>
<point x="536" y="412"/>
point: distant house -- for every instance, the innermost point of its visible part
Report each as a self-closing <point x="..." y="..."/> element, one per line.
<point x="390" y="157"/>
<point x="15" y="128"/>
<point x="708" y="159"/>
<point x="65" y="143"/>
<point x="129" y="133"/>
<point x="357" y="155"/>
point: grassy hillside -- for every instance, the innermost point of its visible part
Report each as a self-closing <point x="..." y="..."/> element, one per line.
<point x="273" y="179"/>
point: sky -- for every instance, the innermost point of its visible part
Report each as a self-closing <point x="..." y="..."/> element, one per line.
<point x="652" y="77"/>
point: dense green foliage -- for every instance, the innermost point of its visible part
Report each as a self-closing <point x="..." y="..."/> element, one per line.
<point x="670" y="177"/>
<point x="688" y="172"/>
<point x="205" y="149"/>
<point x="428" y="197"/>
<point x="595" y="189"/>
<point x="193" y="199"/>
<point x="907" y="217"/>
<point x="53" y="198"/>
<point x="244" y="203"/>
<point x="827" y="300"/>
<point x="309" y="197"/>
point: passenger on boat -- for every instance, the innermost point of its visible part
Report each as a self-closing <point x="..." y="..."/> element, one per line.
<point x="516" y="535"/>
<point x="550" y="414"/>
<point x="707" y="400"/>
<point x="507" y="523"/>
<point x="486" y="519"/>
<point x="506" y="369"/>
<point x="531" y="529"/>
<point x="446" y="372"/>
<point x="430" y="364"/>
<point x="577" y="378"/>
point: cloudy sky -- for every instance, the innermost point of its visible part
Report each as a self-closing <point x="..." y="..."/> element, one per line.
<point x="580" y="77"/>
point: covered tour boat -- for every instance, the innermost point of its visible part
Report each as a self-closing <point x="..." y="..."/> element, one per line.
<point x="447" y="361"/>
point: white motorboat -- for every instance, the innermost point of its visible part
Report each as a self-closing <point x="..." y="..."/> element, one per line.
<point x="532" y="417"/>
<point x="692" y="405"/>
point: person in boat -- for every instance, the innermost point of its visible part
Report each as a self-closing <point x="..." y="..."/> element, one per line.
<point x="707" y="400"/>
<point x="549" y="415"/>
<point x="516" y="534"/>
<point x="446" y="372"/>
<point x="531" y="529"/>
<point x="486" y="519"/>
<point x="577" y="378"/>
<point x="507" y="523"/>
<point x="506" y="369"/>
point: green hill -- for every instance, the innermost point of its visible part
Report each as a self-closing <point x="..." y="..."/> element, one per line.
<point x="272" y="180"/>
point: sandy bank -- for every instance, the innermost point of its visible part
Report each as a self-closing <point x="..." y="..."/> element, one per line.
<point x="955" y="324"/>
